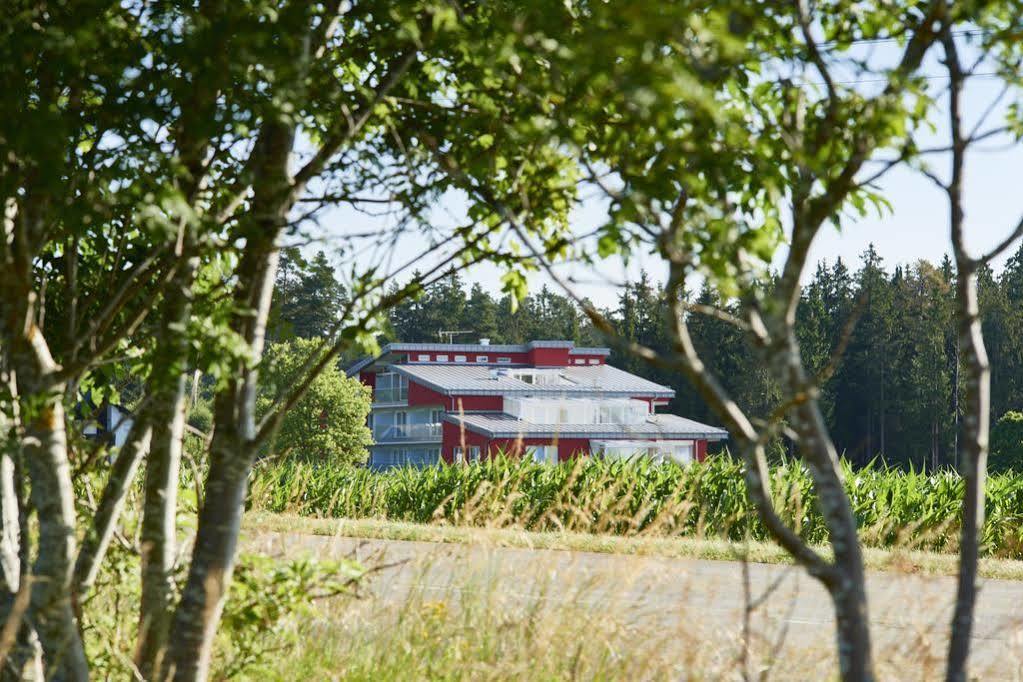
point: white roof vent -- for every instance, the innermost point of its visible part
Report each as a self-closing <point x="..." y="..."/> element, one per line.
<point x="484" y="342"/>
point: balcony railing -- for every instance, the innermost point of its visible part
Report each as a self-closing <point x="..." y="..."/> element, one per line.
<point x="391" y="395"/>
<point x="408" y="432"/>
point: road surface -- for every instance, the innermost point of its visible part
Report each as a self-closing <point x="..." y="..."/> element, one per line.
<point x="909" y="613"/>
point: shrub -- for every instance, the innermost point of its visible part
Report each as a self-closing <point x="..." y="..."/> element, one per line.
<point x="200" y="415"/>
<point x="1007" y="442"/>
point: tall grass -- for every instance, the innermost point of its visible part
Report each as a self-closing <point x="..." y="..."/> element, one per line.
<point x="893" y="507"/>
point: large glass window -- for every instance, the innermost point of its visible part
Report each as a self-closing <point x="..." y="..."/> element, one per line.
<point x="391" y="387"/>
<point x="577" y="410"/>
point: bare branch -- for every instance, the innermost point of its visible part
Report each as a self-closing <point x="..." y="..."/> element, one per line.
<point x="1016" y="233"/>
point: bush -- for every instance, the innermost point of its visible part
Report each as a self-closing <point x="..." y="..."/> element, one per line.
<point x="1007" y="442"/>
<point x="200" y="416"/>
<point x="329" y="422"/>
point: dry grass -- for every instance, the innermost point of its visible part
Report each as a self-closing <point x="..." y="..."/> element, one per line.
<point x="892" y="560"/>
<point x="494" y="612"/>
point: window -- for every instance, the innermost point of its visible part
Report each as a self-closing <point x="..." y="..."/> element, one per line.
<point x="442" y="358"/>
<point x="594" y="361"/>
<point x="580" y="361"/>
<point x="460" y="358"/>
<point x="436" y="416"/>
<point x="390" y="388"/>
<point x="474" y="453"/>
<point x="424" y="357"/>
<point x="545" y="454"/>
<point x="482" y="358"/>
<point x="459" y="456"/>
<point x="503" y="361"/>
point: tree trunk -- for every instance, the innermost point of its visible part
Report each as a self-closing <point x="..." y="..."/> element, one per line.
<point x="233" y="447"/>
<point x="52" y="497"/>
<point x="159" y="518"/>
<point x="24" y="659"/>
<point x="973" y="468"/>
<point x="848" y="584"/>
<point x="848" y="589"/>
<point x="122" y="474"/>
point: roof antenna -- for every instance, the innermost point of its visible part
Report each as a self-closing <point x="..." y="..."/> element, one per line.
<point x="451" y="334"/>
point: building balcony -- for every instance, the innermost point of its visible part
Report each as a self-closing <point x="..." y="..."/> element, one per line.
<point x="390" y="396"/>
<point x="408" y="433"/>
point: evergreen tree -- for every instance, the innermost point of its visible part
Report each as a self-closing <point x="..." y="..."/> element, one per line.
<point x="308" y="299"/>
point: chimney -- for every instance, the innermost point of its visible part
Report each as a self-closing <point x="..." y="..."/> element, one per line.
<point x="484" y="342"/>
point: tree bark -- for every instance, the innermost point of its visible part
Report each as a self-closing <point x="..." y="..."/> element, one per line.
<point x="159" y="519"/>
<point x="233" y="448"/>
<point x="52" y="497"/>
<point x="847" y="585"/>
<point x="973" y="468"/>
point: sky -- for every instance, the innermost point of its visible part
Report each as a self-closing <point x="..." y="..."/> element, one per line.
<point x="916" y="227"/>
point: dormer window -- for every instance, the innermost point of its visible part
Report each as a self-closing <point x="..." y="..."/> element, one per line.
<point x="424" y="357"/>
<point x="482" y="358"/>
<point x="460" y="358"/>
<point x="442" y="358"/>
<point x="503" y="361"/>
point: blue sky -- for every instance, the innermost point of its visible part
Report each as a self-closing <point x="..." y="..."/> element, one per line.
<point x="916" y="228"/>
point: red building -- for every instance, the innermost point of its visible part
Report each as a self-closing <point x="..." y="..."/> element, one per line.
<point x="547" y="399"/>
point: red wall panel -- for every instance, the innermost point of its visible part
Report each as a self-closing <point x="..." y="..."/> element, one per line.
<point x="368" y="378"/>
<point x="477" y="403"/>
<point x="701" y="450"/>
<point x="421" y="395"/>
<point x="573" y="447"/>
<point x="548" y="357"/>
<point x="452" y="436"/>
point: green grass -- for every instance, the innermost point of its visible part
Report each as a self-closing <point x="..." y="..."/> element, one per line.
<point x="894" y="509"/>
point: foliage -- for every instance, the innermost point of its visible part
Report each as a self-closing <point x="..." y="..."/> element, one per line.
<point x="1007" y="442"/>
<point x="893" y="507"/>
<point x="200" y="415"/>
<point x="308" y="299"/>
<point x="270" y="595"/>
<point x="329" y="422"/>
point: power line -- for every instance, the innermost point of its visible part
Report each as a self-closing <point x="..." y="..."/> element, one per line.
<point x="893" y="39"/>
<point x="988" y="74"/>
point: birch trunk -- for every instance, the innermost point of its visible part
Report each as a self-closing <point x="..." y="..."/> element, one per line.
<point x="159" y="519"/>
<point x="233" y="447"/>
<point x="46" y="456"/>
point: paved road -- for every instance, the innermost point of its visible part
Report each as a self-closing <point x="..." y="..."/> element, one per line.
<point x="909" y="613"/>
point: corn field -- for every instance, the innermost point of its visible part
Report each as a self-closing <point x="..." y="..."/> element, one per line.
<point x="893" y="507"/>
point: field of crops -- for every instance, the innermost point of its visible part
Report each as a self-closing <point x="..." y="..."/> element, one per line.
<point x="893" y="507"/>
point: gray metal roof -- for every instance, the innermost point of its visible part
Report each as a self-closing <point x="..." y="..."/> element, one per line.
<point x="398" y="347"/>
<point x="359" y="364"/>
<point x="492" y="348"/>
<point x="601" y="380"/>
<point x="590" y="350"/>
<point x="669" y="426"/>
